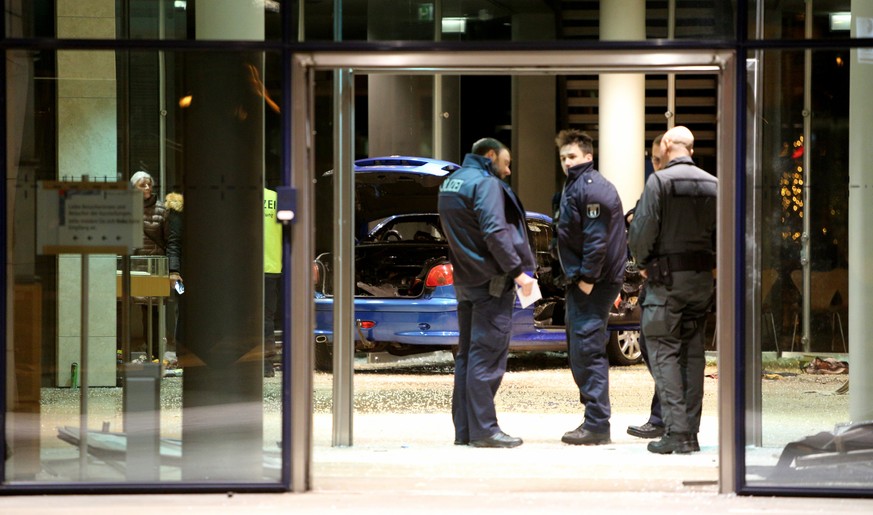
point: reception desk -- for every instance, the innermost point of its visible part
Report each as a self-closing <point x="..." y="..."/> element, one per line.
<point x="150" y="285"/>
<point x="144" y="284"/>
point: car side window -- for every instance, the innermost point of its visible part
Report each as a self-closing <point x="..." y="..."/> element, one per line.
<point x="540" y="236"/>
<point x="416" y="231"/>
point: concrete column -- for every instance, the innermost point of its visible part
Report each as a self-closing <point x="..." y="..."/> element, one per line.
<point x="222" y="352"/>
<point x="535" y="171"/>
<point x="447" y="118"/>
<point x="410" y="114"/>
<point x="400" y="117"/>
<point x="87" y="145"/>
<point x="534" y="154"/>
<point x="621" y="140"/>
<point x="860" y="214"/>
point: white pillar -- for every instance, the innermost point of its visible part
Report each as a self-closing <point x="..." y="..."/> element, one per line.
<point x="621" y="140"/>
<point x="87" y="145"/>
<point x="860" y="213"/>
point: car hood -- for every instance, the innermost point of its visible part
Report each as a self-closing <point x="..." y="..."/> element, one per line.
<point x="395" y="185"/>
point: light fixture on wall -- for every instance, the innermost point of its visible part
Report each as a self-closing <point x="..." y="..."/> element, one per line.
<point x="840" y="21"/>
<point x="453" y="25"/>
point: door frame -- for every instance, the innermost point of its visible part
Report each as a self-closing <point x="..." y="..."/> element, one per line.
<point x="720" y="62"/>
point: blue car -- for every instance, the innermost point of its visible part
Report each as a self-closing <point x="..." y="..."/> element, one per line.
<point x="404" y="295"/>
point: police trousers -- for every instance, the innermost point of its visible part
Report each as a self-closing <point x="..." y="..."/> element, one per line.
<point x="586" y="322"/>
<point x="674" y="323"/>
<point x="484" y="324"/>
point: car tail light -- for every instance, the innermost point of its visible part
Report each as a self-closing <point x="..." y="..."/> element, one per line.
<point x="318" y="276"/>
<point x="440" y="275"/>
<point x="366" y="324"/>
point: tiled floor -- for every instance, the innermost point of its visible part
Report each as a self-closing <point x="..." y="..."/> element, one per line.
<point x="420" y="473"/>
<point x="467" y="500"/>
<point x="408" y="464"/>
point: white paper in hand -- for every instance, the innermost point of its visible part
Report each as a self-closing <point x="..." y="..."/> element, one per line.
<point x="534" y="296"/>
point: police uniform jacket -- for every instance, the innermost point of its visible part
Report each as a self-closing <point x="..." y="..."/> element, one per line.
<point x="484" y="223"/>
<point x="592" y="239"/>
<point x="676" y="214"/>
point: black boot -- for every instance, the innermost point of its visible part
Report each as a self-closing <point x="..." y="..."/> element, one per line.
<point x="680" y="443"/>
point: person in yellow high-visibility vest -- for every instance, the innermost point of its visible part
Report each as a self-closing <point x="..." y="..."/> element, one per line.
<point x="272" y="277"/>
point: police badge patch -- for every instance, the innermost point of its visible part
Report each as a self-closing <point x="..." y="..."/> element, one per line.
<point x="593" y="210"/>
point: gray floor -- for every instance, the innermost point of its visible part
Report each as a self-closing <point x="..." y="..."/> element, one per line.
<point x="421" y="473"/>
<point x="405" y="463"/>
<point x="468" y="500"/>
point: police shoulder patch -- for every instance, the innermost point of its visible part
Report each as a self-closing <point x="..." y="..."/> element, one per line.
<point x="593" y="210"/>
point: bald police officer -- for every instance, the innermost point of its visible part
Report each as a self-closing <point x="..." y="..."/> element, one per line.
<point x="672" y="237"/>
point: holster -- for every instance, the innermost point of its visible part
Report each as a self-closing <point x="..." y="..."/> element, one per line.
<point x="690" y="262"/>
<point x="661" y="268"/>
<point x="499" y="285"/>
<point x="659" y="273"/>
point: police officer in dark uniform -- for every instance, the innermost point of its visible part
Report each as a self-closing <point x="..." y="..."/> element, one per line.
<point x="654" y="426"/>
<point x="672" y="237"/>
<point x="592" y="247"/>
<point x="489" y="250"/>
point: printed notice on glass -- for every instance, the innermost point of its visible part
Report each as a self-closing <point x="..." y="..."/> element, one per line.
<point x="88" y="218"/>
<point x="864" y="29"/>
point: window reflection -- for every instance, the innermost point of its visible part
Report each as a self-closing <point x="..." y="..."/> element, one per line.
<point x="147" y="402"/>
<point x="828" y="19"/>
<point x="804" y="434"/>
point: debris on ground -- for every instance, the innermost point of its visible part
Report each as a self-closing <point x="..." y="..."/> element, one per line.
<point x="826" y="366"/>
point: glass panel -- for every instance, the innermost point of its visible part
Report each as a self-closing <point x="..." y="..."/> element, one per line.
<point x="387" y="383"/>
<point x="359" y="20"/>
<point x="519" y="20"/>
<point x="808" y="315"/>
<point x="828" y="19"/>
<point x="148" y="19"/>
<point x="172" y="387"/>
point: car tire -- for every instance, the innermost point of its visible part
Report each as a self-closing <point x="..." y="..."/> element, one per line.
<point x="324" y="357"/>
<point x="623" y="348"/>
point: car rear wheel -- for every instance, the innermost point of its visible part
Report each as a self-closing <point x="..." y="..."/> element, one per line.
<point x="624" y="348"/>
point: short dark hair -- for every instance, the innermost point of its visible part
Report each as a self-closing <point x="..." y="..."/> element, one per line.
<point x="571" y="136"/>
<point x="481" y="147"/>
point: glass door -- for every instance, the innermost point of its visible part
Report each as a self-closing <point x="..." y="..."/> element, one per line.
<point x="309" y="73"/>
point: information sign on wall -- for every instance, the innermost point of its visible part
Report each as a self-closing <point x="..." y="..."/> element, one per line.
<point x="88" y="218"/>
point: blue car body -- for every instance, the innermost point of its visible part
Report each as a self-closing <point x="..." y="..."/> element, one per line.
<point x="398" y="309"/>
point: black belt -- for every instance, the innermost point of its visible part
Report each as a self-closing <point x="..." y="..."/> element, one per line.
<point x="690" y="262"/>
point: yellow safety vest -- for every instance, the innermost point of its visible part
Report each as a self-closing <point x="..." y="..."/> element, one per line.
<point x="272" y="235"/>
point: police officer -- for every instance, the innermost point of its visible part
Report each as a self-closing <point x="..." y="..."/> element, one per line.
<point x="654" y="426"/>
<point x="489" y="250"/>
<point x="672" y="237"/>
<point x="592" y="247"/>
